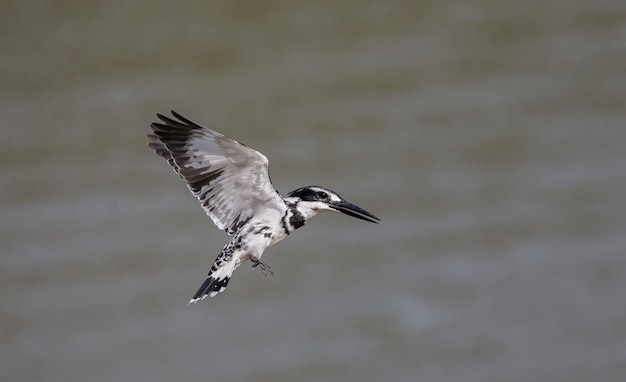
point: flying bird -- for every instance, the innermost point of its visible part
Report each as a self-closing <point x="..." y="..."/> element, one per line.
<point x="232" y="183"/>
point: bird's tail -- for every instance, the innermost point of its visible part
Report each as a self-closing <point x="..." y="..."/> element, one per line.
<point x="219" y="275"/>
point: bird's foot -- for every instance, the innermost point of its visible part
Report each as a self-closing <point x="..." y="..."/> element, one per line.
<point x="264" y="267"/>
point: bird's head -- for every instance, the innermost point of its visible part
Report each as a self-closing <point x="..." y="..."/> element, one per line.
<point x="312" y="200"/>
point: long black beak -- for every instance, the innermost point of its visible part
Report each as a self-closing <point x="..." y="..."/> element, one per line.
<point x="355" y="211"/>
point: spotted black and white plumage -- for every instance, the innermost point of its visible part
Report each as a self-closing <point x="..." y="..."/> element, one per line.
<point x="232" y="183"/>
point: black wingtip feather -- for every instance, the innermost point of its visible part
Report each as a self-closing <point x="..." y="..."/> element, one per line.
<point x="179" y="121"/>
<point x="185" y="120"/>
<point x="169" y="122"/>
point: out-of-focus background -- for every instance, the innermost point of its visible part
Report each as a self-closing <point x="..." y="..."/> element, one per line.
<point x="490" y="137"/>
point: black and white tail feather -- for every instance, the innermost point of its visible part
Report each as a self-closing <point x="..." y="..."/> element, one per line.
<point x="232" y="183"/>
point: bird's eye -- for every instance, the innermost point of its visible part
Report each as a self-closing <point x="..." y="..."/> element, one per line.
<point x="322" y="195"/>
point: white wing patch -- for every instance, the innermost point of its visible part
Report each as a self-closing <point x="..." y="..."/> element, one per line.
<point x="231" y="180"/>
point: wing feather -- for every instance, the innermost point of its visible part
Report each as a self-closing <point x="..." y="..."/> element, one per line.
<point x="230" y="179"/>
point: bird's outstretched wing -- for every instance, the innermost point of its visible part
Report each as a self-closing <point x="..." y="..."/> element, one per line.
<point x="230" y="179"/>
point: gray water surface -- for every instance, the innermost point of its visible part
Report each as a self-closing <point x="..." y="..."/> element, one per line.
<point x="490" y="137"/>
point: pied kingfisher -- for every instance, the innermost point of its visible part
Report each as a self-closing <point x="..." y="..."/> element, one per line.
<point x="232" y="182"/>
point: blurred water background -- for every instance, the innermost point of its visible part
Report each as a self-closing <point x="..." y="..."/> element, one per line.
<point x="490" y="137"/>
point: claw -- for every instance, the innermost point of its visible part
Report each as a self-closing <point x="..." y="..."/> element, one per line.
<point x="264" y="267"/>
